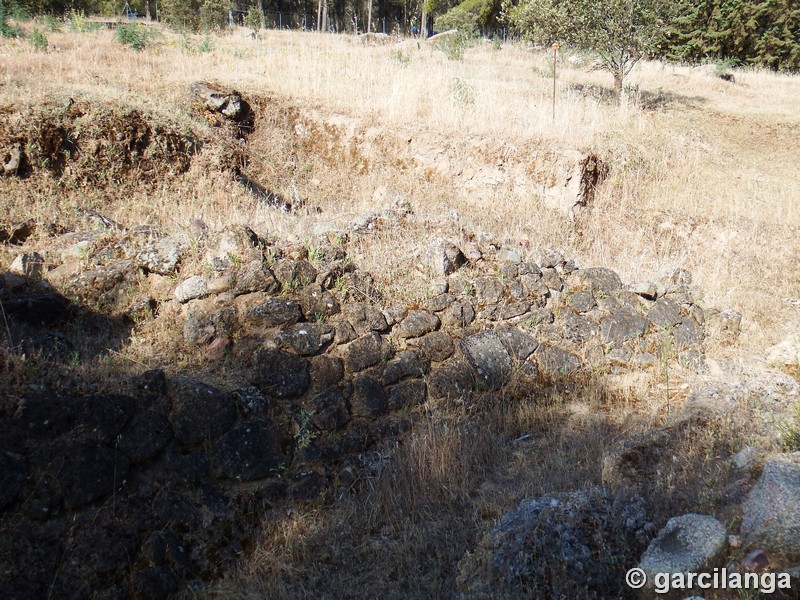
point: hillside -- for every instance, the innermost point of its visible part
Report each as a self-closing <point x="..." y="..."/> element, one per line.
<point x="307" y="315"/>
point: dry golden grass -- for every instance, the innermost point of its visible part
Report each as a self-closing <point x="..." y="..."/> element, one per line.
<point x="703" y="176"/>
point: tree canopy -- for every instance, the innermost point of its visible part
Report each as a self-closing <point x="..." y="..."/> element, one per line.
<point x="619" y="32"/>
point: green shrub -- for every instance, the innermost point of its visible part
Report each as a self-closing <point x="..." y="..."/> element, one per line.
<point x="455" y="44"/>
<point x="39" y="40"/>
<point x="51" y="24"/>
<point x="135" y="36"/>
<point x="6" y="28"/>
<point x="465" y="21"/>
<point x="78" y="22"/>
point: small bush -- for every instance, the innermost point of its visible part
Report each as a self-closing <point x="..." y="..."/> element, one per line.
<point x="39" y="40"/>
<point x="462" y="92"/>
<point x="135" y="36"/>
<point x="461" y="19"/>
<point x="78" y="22"/>
<point x="790" y="432"/>
<point x="51" y="24"/>
<point x="6" y="28"/>
<point x="454" y="45"/>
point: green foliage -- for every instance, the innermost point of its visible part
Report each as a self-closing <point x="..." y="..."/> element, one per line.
<point x="254" y="20"/>
<point x="462" y="92"/>
<point x="214" y="14"/>
<point x="78" y="22"/>
<point x="38" y="39"/>
<point x="51" y="24"/>
<point x="454" y="45"/>
<point x="619" y="32"/>
<point x="134" y="35"/>
<point x="6" y="28"/>
<point x="757" y="32"/>
<point x="463" y="20"/>
<point x="790" y="432"/>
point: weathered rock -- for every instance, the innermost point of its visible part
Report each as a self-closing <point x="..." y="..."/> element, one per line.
<point x="366" y="351"/>
<point x="318" y="303"/>
<point x="548" y="548"/>
<point x="86" y="470"/>
<point x="304" y="338"/>
<point x="785" y="352"/>
<point x="552" y="280"/>
<point x="646" y="289"/>
<point x="330" y="409"/>
<point x="200" y="412"/>
<point x="534" y="285"/>
<point x="227" y="103"/>
<point x="444" y="257"/>
<point x="621" y="325"/>
<point x="724" y="326"/>
<point x="581" y="301"/>
<point x="689" y="543"/>
<point x="416" y="324"/>
<point x="437" y="346"/>
<point x="687" y="333"/>
<point x="555" y="361"/>
<point x="439" y="302"/>
<point x="255" y="277"/>
<point x="200" y="329"/>
<point x="407" y="393"/>
<point x="145" y="436"/>
<point x="28" y="265"/>
<point x="104" y="415"/>
<point x="276" y="311"/>
<point x="364" y="317"/>
<point x="280" y="374"/>
<point x="458" y="315"/>
<point x="191" y="289"/>
<point x="343" y="332"/>
<point x="518" y="344"/>
<point x="746" y="458"/>
<point x="161" y="257"/>
<point x="405" y="364"/>
<point x="772" y="509"/>
<point x="596" y="279"/>
<point x="253" y="450"/>
<point x="664" y="313"/>
<point x="551" y="258"/>
<point x="250" y="401"/>
<point x="454" y="380"/>
<point x="681" y="277"/>
<point x="486" y="353"/>
<point x="293" y="274"/>
<point x="579" y="329"/>
<point x="369" y="398"/>
<point x="325" y="371"/>
<point x="13" y="474"/>
<point x="488" y="289"/>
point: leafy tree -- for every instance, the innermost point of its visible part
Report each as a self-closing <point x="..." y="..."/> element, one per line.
<point x="758" y="32"/>
<point x="620" y="32"/>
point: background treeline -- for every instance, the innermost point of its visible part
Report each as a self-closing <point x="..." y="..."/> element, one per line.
<point x="755" y="32"/>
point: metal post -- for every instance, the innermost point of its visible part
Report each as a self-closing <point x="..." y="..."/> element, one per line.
<point x="555" y="56"/>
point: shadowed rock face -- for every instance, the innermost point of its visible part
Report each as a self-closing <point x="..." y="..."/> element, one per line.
<point x="327" y="373"/>
<point x="772" y="509"/>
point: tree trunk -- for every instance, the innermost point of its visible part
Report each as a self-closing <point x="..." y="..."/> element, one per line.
<point x="147" y="10"/>
<point x="619" y="78"/>
<point x="424" y="25"/>
<point x="260" y="6"/>
<point x="369" y="17"/>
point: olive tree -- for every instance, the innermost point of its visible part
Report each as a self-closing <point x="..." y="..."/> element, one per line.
<point x="619" y="32"/>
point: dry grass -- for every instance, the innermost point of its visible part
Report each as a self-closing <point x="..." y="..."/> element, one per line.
<point x="703" y="176"/>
